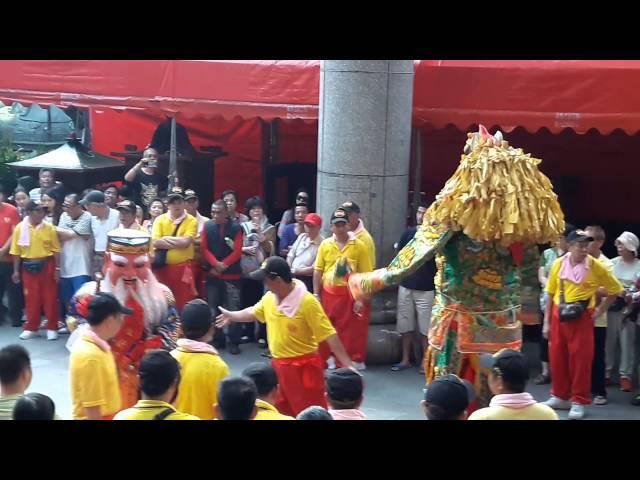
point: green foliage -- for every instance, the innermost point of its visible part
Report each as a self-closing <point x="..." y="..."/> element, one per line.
<point x="7" y="155"/>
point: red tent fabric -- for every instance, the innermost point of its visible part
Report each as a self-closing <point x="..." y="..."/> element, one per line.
<point x="575" y="94"/>
<point x="579" y="95"/>
<point x="192" y="88"/>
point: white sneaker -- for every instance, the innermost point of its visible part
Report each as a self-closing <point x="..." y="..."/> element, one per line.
<point x="558" y="404"/>
<point x="28" y="335"/>
<point x="360" y="366"/>
<point x="576" y="412"/>
<point x="331" y="363"/>
<point x="600" y="400"/>
<point x="52" y="335"/>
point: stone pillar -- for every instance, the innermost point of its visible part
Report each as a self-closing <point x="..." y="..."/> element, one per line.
<point x="364" y="141"/>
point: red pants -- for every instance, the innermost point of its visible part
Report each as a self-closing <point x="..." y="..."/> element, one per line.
<point x="41" y="293"/>
<point x="571" y="357"/>
<point x="352" y="329"/>
<point x="179" y="279"/>
<point x="300" y="383"/>
<point x="199" y="279"/>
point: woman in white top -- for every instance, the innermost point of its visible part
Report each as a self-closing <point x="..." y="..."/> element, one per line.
<point x="258" y="244"/>
<point x="302" y="254"/>
<point x="626" y="268"/>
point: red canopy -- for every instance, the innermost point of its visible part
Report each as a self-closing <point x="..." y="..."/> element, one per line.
<point x="193" y="88"/>
<point x="580" y="95"/>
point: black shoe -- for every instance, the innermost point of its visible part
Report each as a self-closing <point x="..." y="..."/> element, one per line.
<point x="266" y="354"/>
<point x="17" y="324"/>
<point x="636" y="401"/>
<point x="234" y="349"/>
<point x="262" y="343"/>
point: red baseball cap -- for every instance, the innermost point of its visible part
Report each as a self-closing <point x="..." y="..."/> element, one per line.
<point x="313" y="219"/>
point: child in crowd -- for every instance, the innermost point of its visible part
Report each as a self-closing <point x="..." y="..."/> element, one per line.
<point x="344" y="394"/>
<point x="237" y="399"/>
<point x="202" y="368"/>
<point x="447" y="398"/>
<point x="507" y="381"/>
<point x="159" y="384"/>
<point x="266" y="380"/>
<point x="15" y="377"/>
<point x="314" y="413"/>
<point x="34" y="406"/>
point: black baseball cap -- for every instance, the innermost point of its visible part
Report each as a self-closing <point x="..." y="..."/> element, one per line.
<point x="340" y="215"/>
<point x="189" y="194"/>
<point x="350" y="206"/>
<point x="104" y="304"/>
<point x="175" y="193"/>
<point x="568" y="228"/>
<point x="344" y="385"/>
<point x="128" y="205"/>
<point x="579" y="236"/>
<point x="511" y="365"/>
<point x="94" y="196"/>
<point x="450" y="393"/>
<point x="196" y="318"/>
<point x="272" y="266"/>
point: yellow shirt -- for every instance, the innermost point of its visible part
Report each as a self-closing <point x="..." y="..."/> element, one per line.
<point x="597" y="276"/>
<point x="201" y="373"/>
<point x="94" y="379"/>
<point x="365" y="237"/>
<point x="293" y="337"/>
<point x="266" y="411"/>
<point x="356" y="253"/>
<point x="148" y="409"/>
<point x="44" y="241"/>
<point x="537" y="411"/>
<point x="163" y="227"/>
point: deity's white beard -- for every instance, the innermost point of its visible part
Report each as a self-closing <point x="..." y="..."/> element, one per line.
<point x="148" y="294"/>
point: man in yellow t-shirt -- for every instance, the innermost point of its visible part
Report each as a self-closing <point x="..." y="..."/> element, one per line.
<point x="175" y="232"/>
<point x="296" y="324"/>
<point x="95" y="392"/>
<point x="576" y="277"/>
<point x="159" y="381"/>
<point x="202" y="368"/>
<point x="338" y="256"/>
<point x="35" y="248"/>
<point x="356" y="225"/>
<point x="508" y="376"/>
<point x="266" y="380"/>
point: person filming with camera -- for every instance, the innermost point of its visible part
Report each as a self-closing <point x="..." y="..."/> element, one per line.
<point x="147" y="183"/>
<point x="574" y="280"/>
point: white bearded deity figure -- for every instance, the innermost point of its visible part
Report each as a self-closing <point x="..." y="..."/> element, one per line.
<point x="153" y="323"/>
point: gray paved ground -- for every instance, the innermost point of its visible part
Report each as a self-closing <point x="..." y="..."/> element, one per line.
<point x="389" y="395"/>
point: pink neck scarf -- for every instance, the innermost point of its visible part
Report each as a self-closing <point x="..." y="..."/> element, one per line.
<point x="513" y="400"/>
<point x="25" y="232"/>
<point x="575" y="274"/>
<point x="92" y="336"/>
<point x="176" y="221"/>
<point x="360" y="228"/>
<point x="192" y="346"/>
<point x="291" y="303"/>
